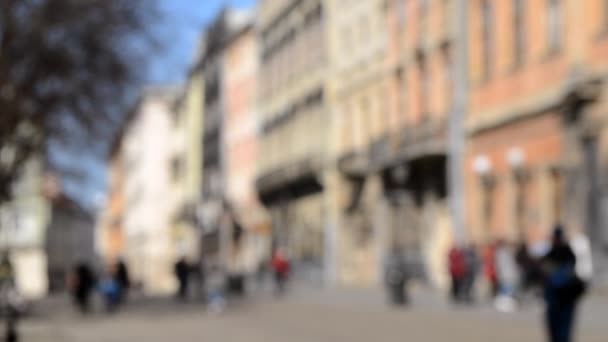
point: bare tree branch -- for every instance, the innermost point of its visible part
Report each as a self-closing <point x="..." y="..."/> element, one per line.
<point x="68" y="69"/>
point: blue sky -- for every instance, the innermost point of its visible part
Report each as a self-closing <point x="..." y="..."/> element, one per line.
<point x="183" y="23"/>
<point x="179" y="28"/>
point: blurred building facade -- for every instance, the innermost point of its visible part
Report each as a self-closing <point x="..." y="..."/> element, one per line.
<point x="109" y="235"/>
<point x="186" y="166"/>
<point x="335" y="116"/>
<point x="150" y="249"/>
<point x="293" y="109"/>
<point x="537" y="120"/>
<point x="358" y="139"/>
<point x="24" y="222"/>
<point x="43" y="232"/>
<point x="250" y="231"/>
<point x="70" y="240"/>
<point x="420" y="75"/>
<point x="215" y="219"/>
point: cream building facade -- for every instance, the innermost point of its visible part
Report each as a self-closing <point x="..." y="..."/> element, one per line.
<point x="359" y="124"/>
<point x="150" y="249"/>
<point x="293" y="111"/>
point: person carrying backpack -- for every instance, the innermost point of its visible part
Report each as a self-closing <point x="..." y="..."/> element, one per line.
<point x="562" y="288"/>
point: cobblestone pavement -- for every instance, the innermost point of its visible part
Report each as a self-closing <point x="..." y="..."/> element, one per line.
<point x="305" y="317"/>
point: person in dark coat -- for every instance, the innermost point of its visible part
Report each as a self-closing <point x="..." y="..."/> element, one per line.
<point x="396" y="276"/>
<point x="457" y="268"/>
<point x="529" y="270"/>
<point x="562" y="288"/>
<point x="7" y="299"/>
<point x="472" y="266"/>
<point x="84" y="284"/>
<point x="123" y="280"/>
<point x="182" y="272"/>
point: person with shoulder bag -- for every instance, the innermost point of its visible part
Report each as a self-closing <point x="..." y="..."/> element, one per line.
<point x="562" y="288"/>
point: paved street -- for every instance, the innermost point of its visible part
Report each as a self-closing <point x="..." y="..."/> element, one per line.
<point x="305" y="318"/>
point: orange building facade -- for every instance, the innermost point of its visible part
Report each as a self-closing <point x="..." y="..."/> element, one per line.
<point x="241" y="67"/>
<point x="110" y="231"/>
<point x="536" y="121"/>
<point x="408" y="157"/>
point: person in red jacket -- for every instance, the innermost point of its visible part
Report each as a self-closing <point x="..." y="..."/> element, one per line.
<point x="280" y="266"/>
<point x="457" y="269"/>
<point x="489" y="266"/>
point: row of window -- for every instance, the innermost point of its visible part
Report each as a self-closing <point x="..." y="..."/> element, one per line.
<point x="311" y="101"/>
<point x="522" y="185"/>
<point x="298" y="138"/>
<point x="362" y="30"/>
<point x="361" y="117"/>
<point x="423" y="12"/>
<point x="295" y="61"/>
<point x="271" y="45"/>
<point x="554" y="25"/>
<point x="554" y="29"/>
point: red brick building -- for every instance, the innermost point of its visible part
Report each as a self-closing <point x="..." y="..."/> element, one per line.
<point x="536" y="120"/>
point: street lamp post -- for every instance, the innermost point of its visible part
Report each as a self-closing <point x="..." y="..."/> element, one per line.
<point x="456" y="129"/>
<point x="516" y="160"/>
<point x="482" y="166"/>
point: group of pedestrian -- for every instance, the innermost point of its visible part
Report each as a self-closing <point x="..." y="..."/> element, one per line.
<point x="215" y="283"/>
<point x="464" y="264"/>
<point x="113" y="285"/>
<point x="558" y="272"/>
<point x="208" y="278"/>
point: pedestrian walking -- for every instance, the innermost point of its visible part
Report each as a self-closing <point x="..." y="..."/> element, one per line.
<point x="82" y="285"/>
<point x="11" y="301"/>
<point x="396" y="275"/>
<point x="281" y="268"/>
<point x="217" y="288"/>
<point x="508" y="277"/>
<point x="489" y="269"/>
<point x="198" y="275"/>
<point x="182" y="272"/>
<point x="562" y="288"/>
<point x="472" y="265"/>
<point x="524" y="264"/>
<point x="110" y="290"/>
<point x="457" y="268"/>
<point x="123" y="280"/>
<point x="528" y="265"/>
<point x="260" y="273"/>
<point x="581" y="246"/>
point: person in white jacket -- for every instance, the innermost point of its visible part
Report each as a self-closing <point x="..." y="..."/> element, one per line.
<point x="581" y="247"/>
<point x="508" y="277"/>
